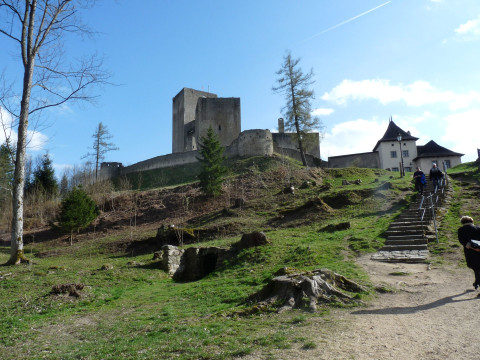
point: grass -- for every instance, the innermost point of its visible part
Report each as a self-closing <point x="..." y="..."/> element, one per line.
<point x="134" y="310"/>
<point x="463" y="201"/>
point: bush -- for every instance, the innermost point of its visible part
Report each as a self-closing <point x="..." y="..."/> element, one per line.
<point x="77" y="211"/>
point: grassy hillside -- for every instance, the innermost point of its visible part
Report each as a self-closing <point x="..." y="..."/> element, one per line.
<point x="464" y="201"/>
<point x="131" y="309"/>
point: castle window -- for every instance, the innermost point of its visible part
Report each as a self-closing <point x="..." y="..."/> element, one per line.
<point x="395" y="169"/>
<point x="219" y="127"/>
<point x="405" y="153"/>
<point x="393" y="154"/>
<point x="447" y="164"/>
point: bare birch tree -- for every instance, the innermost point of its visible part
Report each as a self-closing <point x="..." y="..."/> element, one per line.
<point x="294" y="84"/>
<point x="38" y="28"/>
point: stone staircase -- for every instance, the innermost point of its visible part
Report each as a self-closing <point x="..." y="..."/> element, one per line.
<point x="409" y="234"/>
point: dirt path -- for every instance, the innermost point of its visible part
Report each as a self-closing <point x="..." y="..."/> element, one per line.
<point x="433" y="315"/>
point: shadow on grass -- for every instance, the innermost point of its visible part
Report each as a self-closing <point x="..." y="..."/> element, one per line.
<point x="136" y="248"/>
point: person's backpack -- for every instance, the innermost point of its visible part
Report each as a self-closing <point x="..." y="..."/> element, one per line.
<point x="423" y="179"/>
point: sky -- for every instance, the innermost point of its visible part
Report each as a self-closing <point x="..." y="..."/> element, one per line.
<point x="416" y="61"/>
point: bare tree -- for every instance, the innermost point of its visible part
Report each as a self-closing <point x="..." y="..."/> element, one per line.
<point x="100" y="146"/>
<point x="38" y="28"/>
<point x="294" y="84"/>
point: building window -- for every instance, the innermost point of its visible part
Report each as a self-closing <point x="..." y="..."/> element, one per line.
<point x="395" y="169"/>
<point x="447" y="164"/>
<point x="219" y="127"/>
<point x="408" y="169"/>
<point x="405" y="153"/>
<point x="393" y="154"/>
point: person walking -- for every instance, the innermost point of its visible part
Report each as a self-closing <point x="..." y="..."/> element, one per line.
<point x="435" y="175"/>
<point x="420" y="180"/>
<point x="467" y="232"/>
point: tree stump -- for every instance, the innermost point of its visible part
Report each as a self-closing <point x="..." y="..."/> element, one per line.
<point x="307" y="289"/>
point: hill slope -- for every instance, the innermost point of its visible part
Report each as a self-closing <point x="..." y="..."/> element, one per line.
<point x="124" y="306"/>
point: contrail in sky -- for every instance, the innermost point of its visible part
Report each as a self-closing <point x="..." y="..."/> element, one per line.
<point x="347" y="21"/>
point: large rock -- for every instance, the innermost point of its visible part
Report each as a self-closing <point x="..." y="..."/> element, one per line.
<point x="171" y="257"/>
<point x="336" y="227"/>
<point x="256" y="238"/>
<point x="193" y="263"/>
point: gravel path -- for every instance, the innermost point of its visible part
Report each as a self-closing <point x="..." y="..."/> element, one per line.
<point x="433" y="315"/>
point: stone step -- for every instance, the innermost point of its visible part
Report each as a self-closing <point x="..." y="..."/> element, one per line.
<point x="409" y="223"/>
<point x="405" y="218"/>
<point x="407" y="242"/>
<point x="418" y="227"/>
<point x="403" y="247"/>
<point x="403" y="232"/>
<point x="406" y="237"/>
<point x="401" y="256"/>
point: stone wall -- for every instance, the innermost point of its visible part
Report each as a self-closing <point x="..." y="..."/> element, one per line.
<point x="107" y="172"/>
<point x="251" y="143"/>
<point x="361" y="160"/>
<point x="248" y="143"/>
<point x="295" y="154"/>
<point x="289" y="141"/>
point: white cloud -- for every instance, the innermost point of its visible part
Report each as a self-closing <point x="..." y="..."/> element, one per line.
<point x="61" y="168"/>
<point x="461" y="133"/>
<point x="470" y="28"/>
<point x="322" y="111"/>
<point x="35" y="140"/>
<point x="359" y="136"/>
<point x="351" y="137"/>
<point x="418" y="93"/>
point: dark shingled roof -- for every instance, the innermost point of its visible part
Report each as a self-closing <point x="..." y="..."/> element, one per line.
<point x="432" y="149"/>
<point x="391" y="134"/>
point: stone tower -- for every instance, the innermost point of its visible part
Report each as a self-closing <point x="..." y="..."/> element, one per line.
<point x="183" y="118"/>
<point x="195" y="111"/>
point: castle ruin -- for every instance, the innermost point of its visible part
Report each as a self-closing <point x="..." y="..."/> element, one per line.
<point x="193" y="112"/>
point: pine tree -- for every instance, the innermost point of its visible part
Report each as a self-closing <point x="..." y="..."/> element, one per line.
<point x="77" y="211"/>
<point x="6" y="176"/>
<point x="294" y="84"/>
<point x="64" y="185"/>
<point x="100" y="146"/>
<point x="44" y="179"/>
<point x="6" y="168"/>
<point x="211" y="159"/>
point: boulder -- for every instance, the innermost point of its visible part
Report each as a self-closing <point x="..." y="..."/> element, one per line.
<point x="336" y="227"/>
<point x="256" y="238"/>
<point x="171" y="257"/>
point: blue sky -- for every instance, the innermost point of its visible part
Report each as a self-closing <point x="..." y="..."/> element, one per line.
<point x="414" y="60"/>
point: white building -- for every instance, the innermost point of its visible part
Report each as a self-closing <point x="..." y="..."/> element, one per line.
<point x="396" y="146"/>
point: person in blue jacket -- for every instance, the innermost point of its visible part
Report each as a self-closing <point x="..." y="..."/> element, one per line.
<point x="420" y="180"/>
